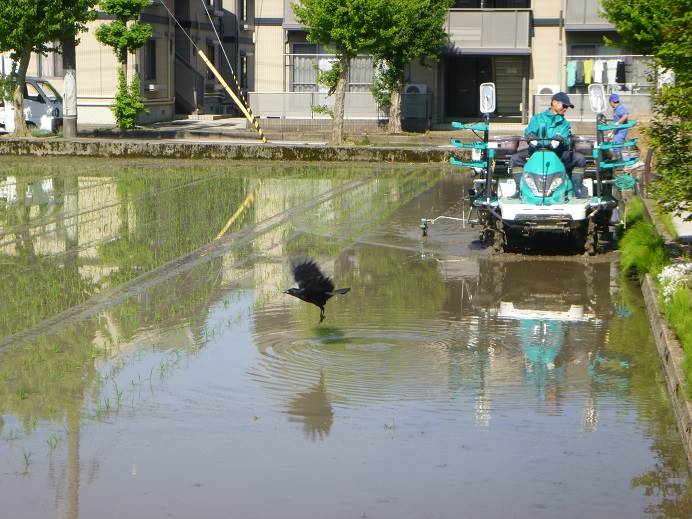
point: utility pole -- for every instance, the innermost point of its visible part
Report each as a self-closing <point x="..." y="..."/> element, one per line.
<point x="69" y="64"/>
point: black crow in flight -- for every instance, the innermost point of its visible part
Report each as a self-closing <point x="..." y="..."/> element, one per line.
<point x="313" y="286"/>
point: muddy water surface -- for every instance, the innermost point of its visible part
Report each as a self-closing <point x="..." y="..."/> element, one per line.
<point x="445" y="384"/>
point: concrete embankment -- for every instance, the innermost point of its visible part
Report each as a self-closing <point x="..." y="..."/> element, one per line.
<point x="221" y="150"/>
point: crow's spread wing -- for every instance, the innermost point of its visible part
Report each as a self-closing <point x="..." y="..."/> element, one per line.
<point x="309" y="277"/>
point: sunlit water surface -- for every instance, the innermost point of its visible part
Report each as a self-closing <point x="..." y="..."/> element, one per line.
<point x="445" y="384"/>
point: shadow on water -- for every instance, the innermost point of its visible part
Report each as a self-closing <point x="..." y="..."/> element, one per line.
<point x="438" y="382"/>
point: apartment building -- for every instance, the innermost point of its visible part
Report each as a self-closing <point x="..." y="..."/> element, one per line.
<point x="174" y="80"/>
<point x="528" y="48"/>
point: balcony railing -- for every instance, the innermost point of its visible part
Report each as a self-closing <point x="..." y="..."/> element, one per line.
<point x="638" y="105"/>
<point x="585" y="15"/>
<point x="301" y="105"/>
<point x="474" y="31"/>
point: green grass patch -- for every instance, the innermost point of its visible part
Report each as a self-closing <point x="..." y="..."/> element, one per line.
<point x="678" y="311"/>
<point x="642" y="250"/>
<point x="635" y="212"/>
<point x="37" y="132"/>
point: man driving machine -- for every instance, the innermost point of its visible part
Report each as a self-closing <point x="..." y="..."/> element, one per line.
<point x="552" y="124"/>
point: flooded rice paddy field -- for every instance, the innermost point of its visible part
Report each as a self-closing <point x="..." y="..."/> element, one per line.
<point x="150" y="365"/>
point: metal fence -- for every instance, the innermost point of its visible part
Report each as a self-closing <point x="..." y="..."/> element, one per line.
<point x="639" y="106"/>
<point x="304" y="105"/>
<point x="359" y="105"/>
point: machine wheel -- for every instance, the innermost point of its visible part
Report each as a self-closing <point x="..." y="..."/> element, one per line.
<point x="499" y="238"/>
<point x="591" y="239"/>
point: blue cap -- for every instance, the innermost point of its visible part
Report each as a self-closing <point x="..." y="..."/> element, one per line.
<point x="563" y="98"/>
<point x="614" y="98"/>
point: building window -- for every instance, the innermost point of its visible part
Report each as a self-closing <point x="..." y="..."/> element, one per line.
<point x="308" y="58"/>
<point x="243" y="70"/>
<point x="50" y="65"/>
<point x="492" y="4"/>
<point x="150" y="60"/>
<point x="211" y="54"/>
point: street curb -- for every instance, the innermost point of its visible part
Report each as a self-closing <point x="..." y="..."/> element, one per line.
<point x="672" y="357"/>
<point x="228" y="151"/>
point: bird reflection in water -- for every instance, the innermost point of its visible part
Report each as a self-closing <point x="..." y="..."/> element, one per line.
<point x="313" y="409"/>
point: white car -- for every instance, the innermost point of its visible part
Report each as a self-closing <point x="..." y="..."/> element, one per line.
<point x="42" y="107"/>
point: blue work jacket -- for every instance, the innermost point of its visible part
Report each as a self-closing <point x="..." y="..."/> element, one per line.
<point x="554" y="124"/>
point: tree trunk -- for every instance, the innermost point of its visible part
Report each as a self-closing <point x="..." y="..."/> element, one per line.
<point x="394" y="125"/>
<point x="20" y="128"/>
<point x="69" y="64"/>
<point x="339" y="102"/>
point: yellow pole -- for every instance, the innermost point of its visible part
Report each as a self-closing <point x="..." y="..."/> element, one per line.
<point x="241" y="105"/>
<point x="246" y="203"/>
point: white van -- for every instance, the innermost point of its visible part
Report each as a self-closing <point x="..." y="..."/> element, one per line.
<point x="42" y="107"/>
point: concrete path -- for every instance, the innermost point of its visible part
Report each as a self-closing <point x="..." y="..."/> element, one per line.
<point x="683" y="228"/>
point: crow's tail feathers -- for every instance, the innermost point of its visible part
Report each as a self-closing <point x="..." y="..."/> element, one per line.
<point x="340" y="291"/>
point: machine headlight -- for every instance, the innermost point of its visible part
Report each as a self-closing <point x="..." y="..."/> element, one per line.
<point x="543" y="185"/>
<point x="554" y="144"/>
<point x="533" y="142"/>
<point x="531" y="182"/>
<point x="555" y="182"/>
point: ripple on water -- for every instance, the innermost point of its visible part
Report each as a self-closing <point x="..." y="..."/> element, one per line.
<point x="377" y="361"/>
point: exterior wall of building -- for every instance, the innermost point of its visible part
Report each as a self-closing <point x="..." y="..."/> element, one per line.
<point x="547" y="8"/>
<point x="269" y="58"/>
<point x="269" y="9"/>
<point x="547" y="59"/>
<point x="256" y="42"/>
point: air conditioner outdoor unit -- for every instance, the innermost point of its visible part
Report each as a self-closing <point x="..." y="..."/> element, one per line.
<point x="416" y="88"/>
<point x="246" y="27"/>
<point x="547" y="89"/>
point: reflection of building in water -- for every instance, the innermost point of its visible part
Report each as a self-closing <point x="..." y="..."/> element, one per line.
<point x="275" y="195"/>
<point x="61" y="215"/>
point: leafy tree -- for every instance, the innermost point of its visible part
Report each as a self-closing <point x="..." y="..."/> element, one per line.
<point x="128" y="103"/>
<point x="125" y="35"/>
<point x="662" y="28"/>
<point x="28" y="26"/>
<point x="413" y="30"/>
<point x="349" y="27"/>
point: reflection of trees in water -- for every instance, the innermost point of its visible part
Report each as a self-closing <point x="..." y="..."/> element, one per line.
<point x="388" y="286"/>
<point x="630" y="339"/>
<point x="313" y="409"/>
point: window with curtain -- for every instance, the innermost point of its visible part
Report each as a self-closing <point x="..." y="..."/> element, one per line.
<point x="308" y="58"/>
<point x="50" y="65"/>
